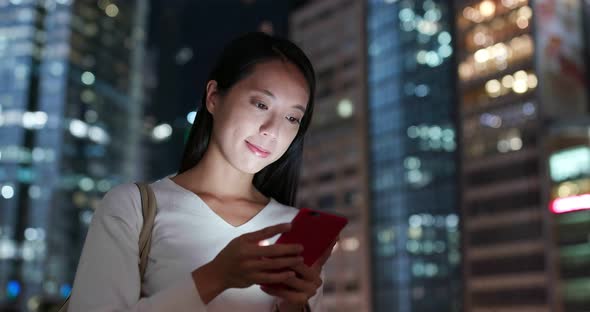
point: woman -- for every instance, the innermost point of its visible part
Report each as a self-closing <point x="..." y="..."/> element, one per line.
<point x="235" y="189"/>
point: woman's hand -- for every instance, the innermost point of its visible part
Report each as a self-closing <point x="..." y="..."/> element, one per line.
<point x="303" y="286"/>
<point x="244" y="262"/>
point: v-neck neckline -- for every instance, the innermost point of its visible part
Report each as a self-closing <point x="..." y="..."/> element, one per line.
<point x="215" y="214"/>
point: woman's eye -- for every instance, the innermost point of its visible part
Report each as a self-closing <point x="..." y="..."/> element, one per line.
<point x="261" y="105"/>
<point x="293" y="120"/>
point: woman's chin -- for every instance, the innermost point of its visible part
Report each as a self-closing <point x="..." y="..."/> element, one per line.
<point x="252" y="167"/>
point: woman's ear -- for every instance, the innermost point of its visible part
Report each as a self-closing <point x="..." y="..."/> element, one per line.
<point x="212" y="97"/>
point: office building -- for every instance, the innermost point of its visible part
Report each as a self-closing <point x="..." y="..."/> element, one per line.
<point x="334" y="173"/>
<point x="70" y="110"/>
<point x="413" y="164"/>
<point x="524" y="111"/>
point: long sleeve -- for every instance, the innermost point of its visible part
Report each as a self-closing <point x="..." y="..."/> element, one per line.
<point x="315" y="302"/>
<point x="107" y="277"/>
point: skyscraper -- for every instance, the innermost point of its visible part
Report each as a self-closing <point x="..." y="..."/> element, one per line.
<point x="524" y="110"/>
<point x="334" y="176"/>
<point x="70" y="106"/>
<point x="413" y="156"/>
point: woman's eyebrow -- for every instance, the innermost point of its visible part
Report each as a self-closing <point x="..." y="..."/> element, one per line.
<point x="266" y="92"/>
<point x="297" y="106"/>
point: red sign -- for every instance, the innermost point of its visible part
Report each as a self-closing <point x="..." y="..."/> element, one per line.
<point x="569" y="204"/>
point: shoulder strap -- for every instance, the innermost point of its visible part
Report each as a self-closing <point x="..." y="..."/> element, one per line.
<point x="148" y="207"/>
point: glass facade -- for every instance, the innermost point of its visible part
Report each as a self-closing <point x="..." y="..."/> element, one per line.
<point x="69" y="116"/>
<point x="522" y="77"/>
<point x="413" y="163"/>
<point x="502" y="210"/>
<point x="334" y="167"/>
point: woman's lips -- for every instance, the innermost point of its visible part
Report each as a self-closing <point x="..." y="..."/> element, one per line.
<point x="257" y="150"/>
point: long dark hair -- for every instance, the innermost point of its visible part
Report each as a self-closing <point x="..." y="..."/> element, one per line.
<point x="279" y="179"/>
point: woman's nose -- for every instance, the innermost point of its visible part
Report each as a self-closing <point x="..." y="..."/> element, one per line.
<point x="270" y="127"/>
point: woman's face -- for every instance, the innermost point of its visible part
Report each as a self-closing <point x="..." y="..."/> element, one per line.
<point x="256" y="120"/>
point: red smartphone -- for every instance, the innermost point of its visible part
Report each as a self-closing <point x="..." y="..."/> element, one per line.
<point x="315" y="231"/>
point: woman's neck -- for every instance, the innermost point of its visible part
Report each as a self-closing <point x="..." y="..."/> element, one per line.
<point x="215" y="176"/>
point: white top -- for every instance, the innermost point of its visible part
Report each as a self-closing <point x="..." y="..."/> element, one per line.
<point x="187" y="234"/>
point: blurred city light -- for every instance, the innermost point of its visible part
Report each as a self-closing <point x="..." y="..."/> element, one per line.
<point x="190" y="117"/>
<point x="162" y="132"/>
<point x="569" y="204"/>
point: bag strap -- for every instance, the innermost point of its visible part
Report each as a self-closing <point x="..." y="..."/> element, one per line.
<point x="148" y="209"/>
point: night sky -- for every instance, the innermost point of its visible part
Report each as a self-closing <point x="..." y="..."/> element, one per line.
<point x="201" y="28"/>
